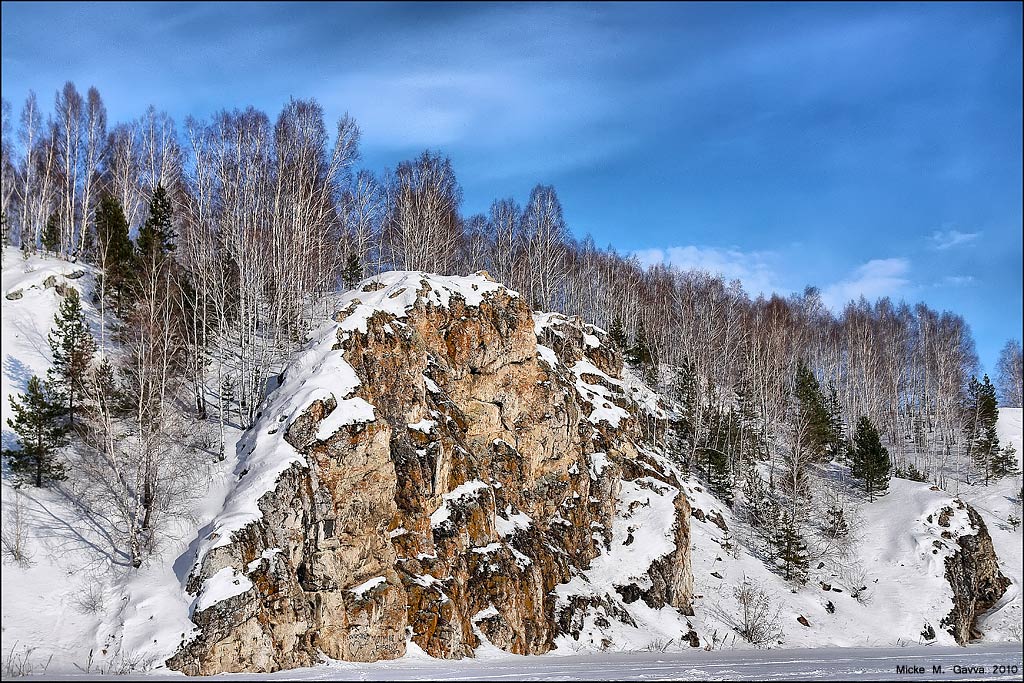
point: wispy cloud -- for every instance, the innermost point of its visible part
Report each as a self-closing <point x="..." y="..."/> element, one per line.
<point x="944" y="239"/>
<point x="754" y="269"/>
<point x="957" y="281"/>
<point x="874" y="279"/>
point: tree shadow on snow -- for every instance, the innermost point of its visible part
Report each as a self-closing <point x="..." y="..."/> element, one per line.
<point x="17" y="372"/>
<point x="68" y="526"/>
<point x="33" y="336"/>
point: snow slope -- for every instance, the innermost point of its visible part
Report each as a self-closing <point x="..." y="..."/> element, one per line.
<point x="78" y="602"/>
<point x="41" y="601"/>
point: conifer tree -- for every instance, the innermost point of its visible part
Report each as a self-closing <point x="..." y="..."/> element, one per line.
<point x="1004" y="462"/>
<point x="911" y="472"/>
<point x="40" y="433"/>
<point x="687" y="394"/>
<point x="353" y="270"/>
<point x="982" y="413"/>
<point x="640" y="356"/>
<point x="104" y="388"/>
<point x="72" y="347"/>
<point x="750" y="437"/>
<point x="116" y="255"/>
<point x="818" y="416"/>
<point x="834" y="442"/>
<point x="88" y="245"/>
<point x="719" y="480"/>
<point x="869" y="460"/>
<point x="156" y="236"/>
<point x="761" y="508"/>
<point x="51" y="233"/>
<point x="639" y="353"/>
<point x="791" y="549"/>
<point x="617" y="333"/>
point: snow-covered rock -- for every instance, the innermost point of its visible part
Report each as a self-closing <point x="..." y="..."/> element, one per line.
<point x="439" y="459"/>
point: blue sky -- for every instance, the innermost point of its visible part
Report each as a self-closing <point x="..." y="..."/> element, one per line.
<point x="863" y="148"/>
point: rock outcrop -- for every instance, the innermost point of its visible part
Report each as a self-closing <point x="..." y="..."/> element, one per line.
<point x="439" y="466"/>
<point x="973" y="573"/>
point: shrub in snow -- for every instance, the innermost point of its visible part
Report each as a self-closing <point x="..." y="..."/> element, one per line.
<point x="758" y="620"/>
<point x="15" y="536"/>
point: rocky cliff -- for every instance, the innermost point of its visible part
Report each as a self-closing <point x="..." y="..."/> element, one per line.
<point x="972" y="570"/>
<point x="443" y="467"/>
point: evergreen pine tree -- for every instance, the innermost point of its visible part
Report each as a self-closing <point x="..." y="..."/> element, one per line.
<point x="116" y="255"/>
<point x="227" y="392"/>
<point x="750" y="436"/>
<point x="820" y="416"/>
<point x="638" y="353"/>
<point x="719" y="480"/>
<point x="618" y="334"/>
<point x="40" y="433"/>
<point x="104" y="393"/>
<point x="983" y="413"/>
<point x="156" y="236"/>
<point x="911" y="472"/>
<point x="640" y="356"/>
<point x="1004" y="462"/>
<point x="761" y="508"/>
<point x="353" y="270"/>
<point x="791" y="549"/>
<point x="72" y="346"/>
<point x="869" y="460"/>
<point x="51" y="233"/>
<point x="687" y="394"/>
<point x="89" y="246"/>
<point x="729" y="544"/>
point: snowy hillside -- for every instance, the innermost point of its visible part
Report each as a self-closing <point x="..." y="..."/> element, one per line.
<point x="76" y="604"/>
<point x="42" y="602"/>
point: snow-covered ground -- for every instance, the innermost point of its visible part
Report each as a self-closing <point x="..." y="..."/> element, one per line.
<point x="861" y="664"/>
<point x="78" y="606"/>
<point x="77" y="603"/>
<point x="41" y="601"/>
<point x="997" y="662"/>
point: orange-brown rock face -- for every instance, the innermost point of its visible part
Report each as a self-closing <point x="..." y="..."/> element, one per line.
<point x="973" y="574"/>
<point x="478" y="478"/>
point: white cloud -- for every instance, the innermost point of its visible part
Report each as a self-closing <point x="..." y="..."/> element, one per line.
<point x="944" y="239"/>
<point x="759" y="271"/>
<point x="874" y="279"/>
<point x="753" y="268"/>
<point x="958" y="280"/>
